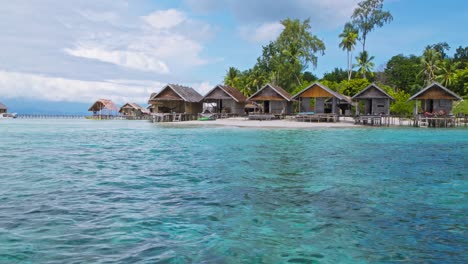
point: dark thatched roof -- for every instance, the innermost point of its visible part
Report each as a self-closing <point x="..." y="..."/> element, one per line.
<point x="232" y="92"/>
<point x="328" y="90"/>
<point x="3" y="107"/>
<point x="134" y="106"/>
<point x="185" y="93"/>
<point x="448" y="94"/>
<point x="280" y="91"/>
<point x="103" y="104"/>
<point x="369" y="93"/>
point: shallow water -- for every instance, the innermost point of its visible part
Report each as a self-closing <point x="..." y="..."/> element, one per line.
<point x="79" y="191"/>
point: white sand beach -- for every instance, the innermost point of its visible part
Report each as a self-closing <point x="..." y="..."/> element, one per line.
<point x="283" y="123"/>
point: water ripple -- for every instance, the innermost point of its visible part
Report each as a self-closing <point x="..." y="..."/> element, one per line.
<point x="133" y="192"/>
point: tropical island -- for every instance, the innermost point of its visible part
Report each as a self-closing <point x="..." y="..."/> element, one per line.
<point x="430" y="86"/>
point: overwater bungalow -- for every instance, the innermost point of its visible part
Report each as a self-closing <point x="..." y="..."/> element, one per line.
<point x="319" y="99"/>
<point x="3" y="109"/>
<point x="376" y="101"/>
<point x="226" y="100"/>
<point x="133" y="110"/>
<point x="435" y="100"/>
<point x="104" y="108"/>
<point x="273" y="99"/>
<point x="175" y="98"/>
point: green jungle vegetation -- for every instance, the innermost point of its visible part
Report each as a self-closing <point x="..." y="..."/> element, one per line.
<point x="286" y="61"/>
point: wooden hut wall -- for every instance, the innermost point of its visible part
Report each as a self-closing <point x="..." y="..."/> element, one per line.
<point x="437" y="105"/>
<point x="316" y="91"/>
<point x="280" y="107"/>
<point x="305" y="105"/>
<point x="436" y="93"/>
<point x="227" y="101"/>
<point x="193" y="108"/>
<point x="168" y="94"/>
<point x="268" y="94"/>
<point x="234" y="107"/>
<point x="171" y="106"/>
<point x="375" y="102"/>
<point x="376" y="106"/>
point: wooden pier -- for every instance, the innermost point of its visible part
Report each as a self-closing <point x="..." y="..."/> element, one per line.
<point x="47" y="116"/>
<point x="172" y="117"/>
<point x="435" y="122"/>
<point x="94" y="117"/>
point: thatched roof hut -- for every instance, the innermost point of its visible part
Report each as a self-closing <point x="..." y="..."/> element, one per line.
<point x="178" y="99"/>
<point x="103" y="107"/>
<point x="376" y="100"/>
<point x="227" y="99"/>
<point x="3" y="108"/>
<point x="322" y="96"/>
<point x="275" y="100"/>
<point x="435" y="98"/>
<point x="133" y="109"/>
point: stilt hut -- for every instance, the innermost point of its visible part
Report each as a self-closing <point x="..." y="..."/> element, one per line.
<point x="3" y="109"/>
<point x="104" y="108"/>
<point x="320" y="99"/>
<point x="133" y="110"/>
<point x="273" y="99"/>
<point x="226" y="99"/>
<point x="376" y="101"/>
<point x="175" y="98"/>
<point x="435" y="100"/>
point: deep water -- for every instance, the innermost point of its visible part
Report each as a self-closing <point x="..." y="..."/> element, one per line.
<point x="78" y="191"/>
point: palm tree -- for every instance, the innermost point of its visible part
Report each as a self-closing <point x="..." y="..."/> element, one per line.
<point x="348" y="42"/>
<point x="365" y="64"/>
<point x="430" y="62"/>
<point x="232" y="77"/>
<point x="447" y="72"/>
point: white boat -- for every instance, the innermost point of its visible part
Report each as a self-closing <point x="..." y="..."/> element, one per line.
<point x="7" y="115"/>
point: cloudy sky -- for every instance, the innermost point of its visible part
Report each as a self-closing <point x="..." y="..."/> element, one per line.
<point x="79" y="51"/>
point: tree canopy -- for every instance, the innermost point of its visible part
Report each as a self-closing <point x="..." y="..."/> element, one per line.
<point x="284" y="61"/>
<point x="369" y="15"/>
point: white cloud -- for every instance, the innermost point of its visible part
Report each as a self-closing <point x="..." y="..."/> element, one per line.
<point x="261" y="34"/>
<point x="165" y="19"/>
<point x="132" y="59"/>
<point x="41" y="87"/>
<point x="160" y="42"/>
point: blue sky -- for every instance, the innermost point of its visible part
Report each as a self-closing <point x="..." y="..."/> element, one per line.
<point x="79" y="51"/>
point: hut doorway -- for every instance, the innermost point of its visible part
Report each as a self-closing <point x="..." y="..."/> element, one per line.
<point x="220" y="106"/>
<point x="430" y="106"/>
<point x="266" y="106"/>
<point x="368" y="106"/>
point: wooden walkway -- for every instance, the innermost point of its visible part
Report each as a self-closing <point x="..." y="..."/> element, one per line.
<point x="172" y="117"/>
<point x="318" y="118"/>
<point x="103" y="117"/>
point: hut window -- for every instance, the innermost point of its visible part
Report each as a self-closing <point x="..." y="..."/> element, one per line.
<point x="380" y="105"/>
<point x="442" y="103"/>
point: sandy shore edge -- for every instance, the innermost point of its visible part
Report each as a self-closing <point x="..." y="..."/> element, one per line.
<point x="284" y="123"/>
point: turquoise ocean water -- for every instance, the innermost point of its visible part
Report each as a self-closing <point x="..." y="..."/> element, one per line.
<point x="83" y="191"/>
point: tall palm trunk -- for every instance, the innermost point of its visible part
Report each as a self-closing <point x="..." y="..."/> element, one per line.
<point x="350" y="69"/>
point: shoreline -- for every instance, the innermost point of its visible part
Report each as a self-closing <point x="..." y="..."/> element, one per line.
<point x="244" y="123"/>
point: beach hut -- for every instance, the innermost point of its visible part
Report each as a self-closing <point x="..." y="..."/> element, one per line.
<point x="3" y="108"/>
<point x="104" y="108"/>
<point x="226" y="99"/>
<point x="435" y="99"/>
<point x="133" y="110"/>
<point x="273" y="99"/>
<point x="175" y="98"/>
<point x="376" y="101"/>
<point x="320" y="99"/>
